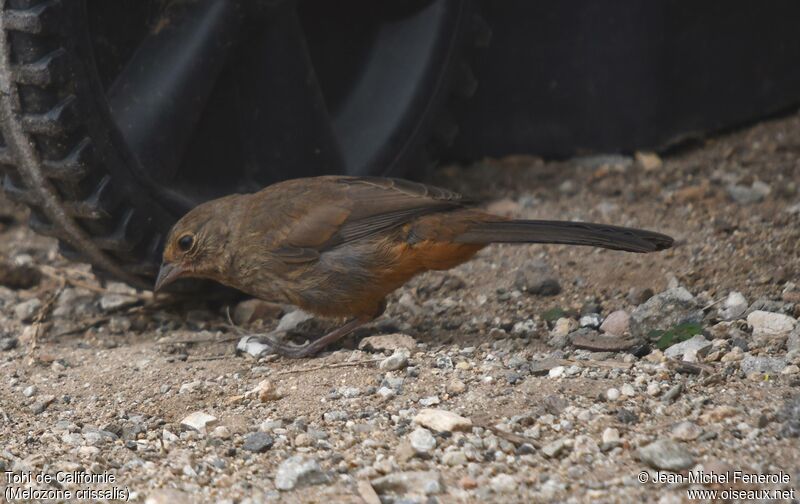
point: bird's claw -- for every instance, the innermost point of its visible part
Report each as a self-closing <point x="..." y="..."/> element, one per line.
<point x="285" y="348"/>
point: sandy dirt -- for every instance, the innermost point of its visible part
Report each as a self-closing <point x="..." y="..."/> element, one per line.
<point x="106" y="384"/>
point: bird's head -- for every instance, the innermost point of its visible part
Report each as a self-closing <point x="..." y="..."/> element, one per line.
<point x="197" y="244"/>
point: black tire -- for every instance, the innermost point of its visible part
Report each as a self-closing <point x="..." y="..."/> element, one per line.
<point x="100" y="188"/>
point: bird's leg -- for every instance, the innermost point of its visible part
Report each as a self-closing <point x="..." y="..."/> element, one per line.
<point x="308" y="349"/>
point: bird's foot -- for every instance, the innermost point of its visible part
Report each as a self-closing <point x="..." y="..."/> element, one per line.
<point x="274" y="343"/>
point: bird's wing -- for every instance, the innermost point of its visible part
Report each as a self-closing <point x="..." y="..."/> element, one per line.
<point x="331" y="211"/>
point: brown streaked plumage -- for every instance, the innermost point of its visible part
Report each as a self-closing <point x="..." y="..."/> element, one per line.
<point x="336" y="246"/>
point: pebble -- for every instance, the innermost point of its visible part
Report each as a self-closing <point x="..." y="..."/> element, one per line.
<point x="398" y="360"/>
<point x="537" y="278"/>
<point x="422" y="441"/>
<point x="7" y="343"/>
<point x="762" y="364"/>
<point x="556" y="372"/>
<point x="611" y="436"/>
<point x="665" y="310"/>
<point x="612" y="394"/>
<point x="220" y="432"/>
<point x="388" y="342"/>
<point x="555" y="448"/>
<point x="648" y="161"/>
<point x="409" y="482"/>
<point x="198" y="421"/>
<point x="745" y="195"/>
<point x="117" y="294"/>
<point x="42" y="404"/>
<point x="168" y="496"/>
<point x="617" y="323"/>
<point x="639" y="295"/>
<point x="686" y="431"/>
<point x="439" y="420"/>
<point x="653" y="389"/>
<point x="190" y="386"/>
<point x="791" y="369"/>
<point x="666" y="454"/>
<point x="734" y="307"/>
<point x="299" y="471"/>
<point x="592" y="320"/>
<point x="503" y="483"/>
<point x="429" y="401"/>
<point x="673" y="393"/>
<point x="455" y="387"/>
<point x="266" y="391"/>
<point x="563" y="327"/>
<point x="628" y="390"/>
<point x="29" y="391"/>
<point x="454" y="458"/>
<point x="770" y="324"/>
<point x="26" y="310"/>
<point x="258" y="442"/>
<point x="691" y="350"/>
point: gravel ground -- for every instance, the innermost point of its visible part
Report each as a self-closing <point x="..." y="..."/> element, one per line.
<point x="533" y="373"/>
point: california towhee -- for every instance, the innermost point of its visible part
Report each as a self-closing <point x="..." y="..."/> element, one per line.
<point x="336" y="246"/>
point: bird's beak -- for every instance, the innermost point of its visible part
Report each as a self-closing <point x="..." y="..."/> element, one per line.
<point x="168" y="273"/>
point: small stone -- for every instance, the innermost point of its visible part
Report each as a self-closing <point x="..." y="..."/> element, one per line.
<point x="422" y="441"/>
<point x="734" y="355"/>
<point x="762" y="364"/>
<point x="555" y="448"/>
<point x="686" y="431"/>
<point x="612" y="394"/>
<point x="198" y="421"/>
<point x="398" y="360"/>
<point x="467" y="483"/>
<point x="220" y="432"/>
<point x="386" y="392"/>
<point x="639" y="295"/>
<point x="770" y="324"/>
<point x="190" y="387"/>
<point x="455" y="387"/>
<point x="673" y="393"/>
<point x="537" y="278"/>
<point x="251" y="310"/>
<point x="454" y="458"/>
<point x="429" y="401"/>
<point x="617" y="323"/>
<point x="503" y="483"/>
<point x="26" y="310"/>
<point x="439" y="420"/>
<point x="791" y="369"/>
<point x="719" y="413"/>
<point x="592" y="320"/>
<point x="563" y="327"/>
<point x="653" y="389"/>
<point x="666" y="454"/>
<point x="692" y="350"/>
<point x="556" y="372"/>
<point x="409" y="482"/>
<point x="388" y="342"/>
<point x="628" y="390"/>
<point x="749" y="195"/>
<point x="302" y="439"/>
<point x="611" y="436"/>
<point x="29" y="391"/>
<point x="7" y="343"/>
<point x="734" y="307"/>
<point x="42" y="404"/>
<point x="118" y="294"/>
<point x="665" y="310"/>
<point x="266" y="391"/>
<point x="299" y="471"/>
<point x="257" y="442"/>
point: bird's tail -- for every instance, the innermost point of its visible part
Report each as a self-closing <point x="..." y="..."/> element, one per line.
<point x="565" y="232"/>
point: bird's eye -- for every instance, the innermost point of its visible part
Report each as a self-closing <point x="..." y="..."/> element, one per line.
<point x="185" y="242"/>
